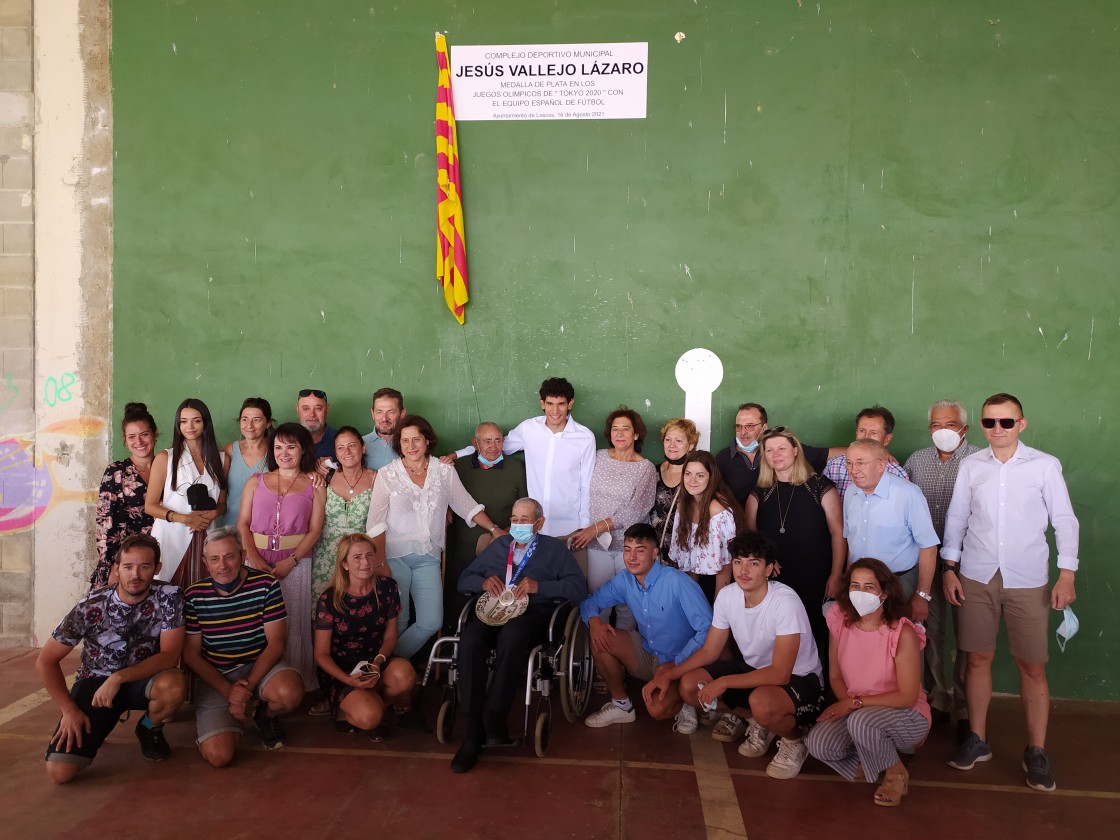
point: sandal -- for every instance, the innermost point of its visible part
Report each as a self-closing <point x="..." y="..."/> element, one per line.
<point x="320" y="709"/>
<point x="379" y="734"/>
<point x="344" y="726"/>
<point x="895" y="785"/>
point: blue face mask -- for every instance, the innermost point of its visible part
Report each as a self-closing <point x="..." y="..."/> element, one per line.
<point x="522" y="532"/>
<point x="750" y="447"/>
<point x="1067" y="629"/>
<point x="484" y="460"/>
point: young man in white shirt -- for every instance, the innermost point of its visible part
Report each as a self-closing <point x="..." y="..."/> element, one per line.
<point x="997" y="564"/>
<point x="778" y="680"/>
<point x="559" y="459"/>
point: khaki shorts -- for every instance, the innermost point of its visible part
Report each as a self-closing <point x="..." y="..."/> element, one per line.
<point x="1026" y="612"/>
<point x="212" y="715"/>
<point x="647" y="663"/>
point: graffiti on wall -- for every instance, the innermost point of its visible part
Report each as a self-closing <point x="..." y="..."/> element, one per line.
<point x="29" y="488"/>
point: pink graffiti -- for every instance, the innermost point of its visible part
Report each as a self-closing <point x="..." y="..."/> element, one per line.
<point x="28" y="490"/>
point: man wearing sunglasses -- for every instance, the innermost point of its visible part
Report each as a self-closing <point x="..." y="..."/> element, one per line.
<point x="311" y="410"/>
<point x="997" y="564"/>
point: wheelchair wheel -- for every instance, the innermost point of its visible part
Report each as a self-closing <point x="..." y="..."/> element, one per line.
<point x="542" y="733"/>
<point x="577" y="669"/>
<point x="445" y="720"/>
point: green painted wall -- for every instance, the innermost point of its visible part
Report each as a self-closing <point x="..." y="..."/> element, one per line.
<point x="849" y="202"/>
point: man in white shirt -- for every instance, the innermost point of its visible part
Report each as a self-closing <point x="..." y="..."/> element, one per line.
<point x="997" y="563"/>
<point x="559" y="458"/>
<point x="778" y="681"/>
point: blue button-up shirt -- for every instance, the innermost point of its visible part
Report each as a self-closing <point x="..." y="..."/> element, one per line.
<point x="378" y="452"/>
<point x="672" y="613"/>
<point x="891" y="523"/>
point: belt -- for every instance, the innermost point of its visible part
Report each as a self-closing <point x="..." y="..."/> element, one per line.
<point x="276" y="543"/>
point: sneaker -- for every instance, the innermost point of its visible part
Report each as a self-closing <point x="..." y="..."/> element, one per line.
<point x="320" y="709"/>
<point x="757" y="742"/>
<point x="154" y="747"/>
<point x="686" y="722"/>
<point x="1037" y="767"/>
<point x="608" y="715"/>
<point x="271" y="734"/>
<point x="792" y="753"/>
<point x="730" y="728"/>
<point x="970" y="752"/>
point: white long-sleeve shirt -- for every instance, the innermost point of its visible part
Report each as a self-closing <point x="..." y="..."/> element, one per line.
<point x="413" y="518"/>
<point x="998" y="517"/>
<point x="558" y="470"/>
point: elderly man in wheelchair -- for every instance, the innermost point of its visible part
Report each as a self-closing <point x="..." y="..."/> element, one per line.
<point x="521" y="578"/>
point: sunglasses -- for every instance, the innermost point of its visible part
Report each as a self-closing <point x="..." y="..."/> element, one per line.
<point x="1004" y="422"/>
<point x="313" y="392"/>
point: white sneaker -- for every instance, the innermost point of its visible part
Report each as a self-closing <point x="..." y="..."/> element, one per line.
<point x="608" y="715"/>
<point x="792" y="753"/>
<point x="686" y="722"/>
<point x="757" y="742"/>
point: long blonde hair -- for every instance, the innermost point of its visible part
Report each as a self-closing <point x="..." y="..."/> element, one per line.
<point x="340" y="580"/>
<point x="802" y="469"/>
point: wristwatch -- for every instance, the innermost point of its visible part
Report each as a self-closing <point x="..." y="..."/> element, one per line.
<point x="950" y="567"/>
<point x="925" y="596"/>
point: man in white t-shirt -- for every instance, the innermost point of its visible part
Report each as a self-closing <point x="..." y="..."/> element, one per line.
<point x="778" y="681"/>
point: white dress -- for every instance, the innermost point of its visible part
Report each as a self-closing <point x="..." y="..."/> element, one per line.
<point x="174" y="538"/>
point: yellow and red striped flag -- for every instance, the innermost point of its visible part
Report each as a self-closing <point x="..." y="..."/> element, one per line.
<point x="451" y="240"/>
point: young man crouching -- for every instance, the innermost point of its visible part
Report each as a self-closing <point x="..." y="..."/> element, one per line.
<point x="777" y="682"/>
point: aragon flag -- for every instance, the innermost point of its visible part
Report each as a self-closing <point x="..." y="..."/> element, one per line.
<point x="451" y="241"/>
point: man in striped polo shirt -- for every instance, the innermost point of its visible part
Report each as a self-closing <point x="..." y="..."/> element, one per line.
<point x="236" y="634"/>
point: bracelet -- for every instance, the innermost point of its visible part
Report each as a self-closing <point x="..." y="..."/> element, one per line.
<point x="596" y="524"/>
<point x="382" y="657"/>
<point x="493" y="528"/>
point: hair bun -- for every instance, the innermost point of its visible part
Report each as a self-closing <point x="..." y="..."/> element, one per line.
<point x="135" y="408"/>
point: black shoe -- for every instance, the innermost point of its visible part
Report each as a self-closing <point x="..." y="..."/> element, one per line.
<point x="1037" y="767"/>
<point x="497" y="731"/>
<point x="467" y="757"/>
<point x="413" y="720"/>
<point x="271" y="734"/>
<point x="153" y="746"/>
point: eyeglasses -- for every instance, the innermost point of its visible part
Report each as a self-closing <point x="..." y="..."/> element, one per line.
<point x="313" y="392"/>
<point x="747" y="427"/>
<point x="1004" y="422"/>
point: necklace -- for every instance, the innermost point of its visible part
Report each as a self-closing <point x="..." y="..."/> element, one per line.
<point x="781" y="515"/>
<point x="355" y="484"/>
<point x="419" y="470"/>
<point x="280" y="496"/>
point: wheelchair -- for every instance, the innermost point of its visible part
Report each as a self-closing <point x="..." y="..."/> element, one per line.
<point x="563" y="660"/>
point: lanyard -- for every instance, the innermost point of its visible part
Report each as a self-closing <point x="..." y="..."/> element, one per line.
<point x="513" y="573"/>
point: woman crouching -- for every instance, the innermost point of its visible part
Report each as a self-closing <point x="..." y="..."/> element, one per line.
<point x="874" y="655"/>
<point x="356" y="625"/>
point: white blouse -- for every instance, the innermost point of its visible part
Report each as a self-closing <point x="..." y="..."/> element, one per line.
<point x="414" y="518"/>
<point x="709" y="558"/>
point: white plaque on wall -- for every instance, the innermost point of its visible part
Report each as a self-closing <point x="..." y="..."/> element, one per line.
<point x="550" y="81"/>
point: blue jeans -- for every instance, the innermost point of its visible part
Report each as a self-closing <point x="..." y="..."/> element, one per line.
<point x="417" y="575"/>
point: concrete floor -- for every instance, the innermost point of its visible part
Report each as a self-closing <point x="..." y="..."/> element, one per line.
<point x="634" y="781"/>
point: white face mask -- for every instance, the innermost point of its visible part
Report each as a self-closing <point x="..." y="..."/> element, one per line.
<point x="1067" y="629"/>
<point x="946" y="440"/>
<point x="864" y="603"/>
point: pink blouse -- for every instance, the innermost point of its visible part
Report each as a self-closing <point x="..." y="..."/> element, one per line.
<point x="867" y="659"/>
